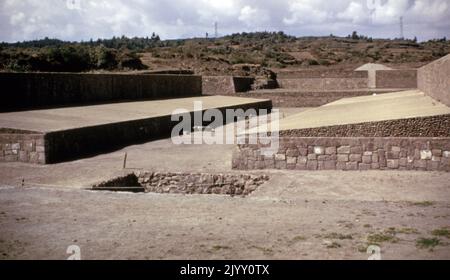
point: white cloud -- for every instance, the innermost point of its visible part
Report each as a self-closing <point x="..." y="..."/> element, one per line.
<point x="31" y="19"/>
<point x="355" y="12"/>
<point x="306" y="11"/>
<point x="253" y="17"/>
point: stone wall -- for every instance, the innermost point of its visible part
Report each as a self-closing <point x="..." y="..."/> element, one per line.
<point x="30" y="148"/>
<point x="294" y="99"/>
<point x="396" y="79"/>
<point x="185" y="183"/>
<point x="322" y="79"/>
<point x="226" y="85"/>
<point x="321" y="73"/>
<point x="36" y="90"/>
<point x="323" y="84"/>
<point x="434" y="126"/>
<point x="218" y="85"/>
<point x="373" y="153"/>
<point x="198" y="183"/>
<point x="434" y="80"/>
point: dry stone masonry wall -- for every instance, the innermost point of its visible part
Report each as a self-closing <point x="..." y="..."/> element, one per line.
<point x="373" y="153"/>
<point x="29" y="148"/>
<point x="435" y="126"/>
<point x="187" y="183"/>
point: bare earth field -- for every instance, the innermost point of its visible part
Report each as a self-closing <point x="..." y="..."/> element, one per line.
<point x="295" y="215"/>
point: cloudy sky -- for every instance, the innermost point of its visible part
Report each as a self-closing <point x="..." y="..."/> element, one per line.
<point x="85" y="19"/>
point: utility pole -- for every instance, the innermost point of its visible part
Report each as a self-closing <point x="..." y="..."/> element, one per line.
<point x="216" y="29"/>
<point x="401" y="29"/>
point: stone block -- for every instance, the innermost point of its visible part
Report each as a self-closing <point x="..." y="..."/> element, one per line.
<point x="290" y="166"/>
<point x="393" y="163"/>
<point x="312" y="157"/>
<point x="40" y="142"/>
<point x="292" y="152"/>
<point x="15" y="146"/>
<point x="312" y="165"/>
<point x="356" y="150"/>
<point x="303" y="151"/>
<point x="280" y="165"/>
<point x="34" y="157"/>
<point x="403" y="162"/>
<point x="341" y="165"/>
<point x="426" y="154"/>
<point x="436" y="158"/>
<point x="436" y="152"/>
<point x="367" y="153"/>
<point x="329" y="165"/>
<point x="280" y="157"/>
<point x="375" y="158"/>
<point x="367" y="159"/>
<point x="355" y="157"/>
<point x="420" y="164"/>
<point x="393" y="155"/>
<point x="318" y="150"/>
<point x="40" y="149"/>
<point x="365" y="166"/>
<point x="330" y="151"/>
<point x="395" y="149"/>
<point x="269" y="164"/>
<point x="41" y="158"/>
<point x="302" y="160"/>
<point x="291" y="160"/>
<point x="352" y="166"/>
<point x="23" y="156"/>
<point x="28" y="146"/>
<point x="433" y="165"/>
<point x="300" y="166"/>
<point x="322" y="157"/>
<point x="446" y="154"/>
<point x="343" y="150"/>
<point x="343" y="158"/>
<point x="375" y="165"/>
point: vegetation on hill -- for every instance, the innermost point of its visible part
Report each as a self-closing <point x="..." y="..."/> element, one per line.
<point x="240" y="54"/>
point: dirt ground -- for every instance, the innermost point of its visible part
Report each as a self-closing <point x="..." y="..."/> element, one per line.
<point x="295" y="215"/>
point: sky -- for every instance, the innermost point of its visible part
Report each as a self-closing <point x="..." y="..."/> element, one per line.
<point x="76" y="20"/>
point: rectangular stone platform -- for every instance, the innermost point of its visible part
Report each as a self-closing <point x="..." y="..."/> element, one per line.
<point x="394" y="131"/>
<point x="55" y="135"/>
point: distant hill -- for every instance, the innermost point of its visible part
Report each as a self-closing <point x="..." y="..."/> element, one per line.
<point x="239" y="54"/>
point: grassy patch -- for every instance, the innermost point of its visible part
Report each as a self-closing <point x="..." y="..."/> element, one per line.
<point x="428" y="243"/>
<point x="405" y="230"/>
<point x="334" y="245"/>
<point x="339" y="236"/>
<point x="378" y="238"/>
<point x="443" y="232"/>
<point x="299" y="238"/>
<point x="266" y="251"/>
<point x="219" y="248"/>
<point x="422" y="203"/>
